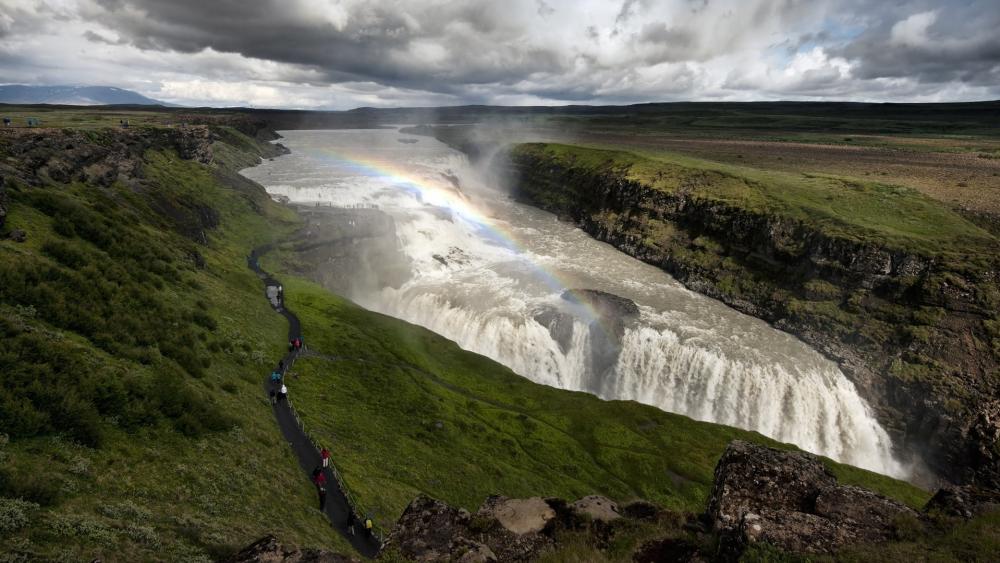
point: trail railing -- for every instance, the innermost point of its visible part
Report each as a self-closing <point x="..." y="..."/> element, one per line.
<point x="356" y="507"/>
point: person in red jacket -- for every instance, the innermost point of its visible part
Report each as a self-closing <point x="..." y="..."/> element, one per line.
<point x="319" y="478"/>
<point x="325" y="456"/>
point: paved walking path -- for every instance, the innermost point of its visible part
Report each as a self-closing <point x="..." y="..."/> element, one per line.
<point x="338" y="509"/>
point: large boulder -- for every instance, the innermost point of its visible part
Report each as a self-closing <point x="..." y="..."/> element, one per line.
<point x="269" y="550"/>
<point x="502" y="530"/>
<point x="519" y="516"/>
<point x="430" y="530"/>
<point x="749" y="477"/>
<point x="790" y="500"/>
<point x="598" y="508"/>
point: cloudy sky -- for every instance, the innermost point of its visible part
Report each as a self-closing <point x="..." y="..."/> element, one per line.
<point x="340" y="54"/>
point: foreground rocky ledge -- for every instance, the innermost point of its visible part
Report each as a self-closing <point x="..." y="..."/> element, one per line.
<point x="785" y="501"/>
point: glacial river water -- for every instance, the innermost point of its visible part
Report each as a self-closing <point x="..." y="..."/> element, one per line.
<point x="490" y="274"/>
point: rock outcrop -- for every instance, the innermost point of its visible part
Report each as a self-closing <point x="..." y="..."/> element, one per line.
<point x="106" y="157"/>
<point x="503" y="530"/>
<point x="963" y="502"/>
<point x="516" y="515"/>
<point x="791" y="501"/>
<point x="269" y="550"/>
<point x="598" y="508"/>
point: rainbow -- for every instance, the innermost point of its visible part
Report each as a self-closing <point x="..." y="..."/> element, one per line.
<point x="436" y="194"/>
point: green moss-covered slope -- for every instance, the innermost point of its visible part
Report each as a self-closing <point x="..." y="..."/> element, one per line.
<point x="133" y="341"/>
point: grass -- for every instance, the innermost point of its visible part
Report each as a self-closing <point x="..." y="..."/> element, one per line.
<point x="847" y="208"/>
<point x="419" y="414"/>
<point x="84" y="118"/>
<point x="114" y="467"/>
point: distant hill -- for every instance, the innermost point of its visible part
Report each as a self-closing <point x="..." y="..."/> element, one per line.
<point x="73" y="95"/>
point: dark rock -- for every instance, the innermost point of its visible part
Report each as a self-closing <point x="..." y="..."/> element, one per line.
<point x="502" y="530"/>
<point x="560" y="326"/>
<point x="797" y="532"/>
<point x="789" y="500"/>
<point x="749" y="477"/>
<point x="18" y="235"/>
<point x="963" y="502"/>
<point x="430" y="530"/>
<point x="641" y="510"/>
<point x="983" y="438"/>
<point x="604" y="303"/>
<point x="269" y="550"/>
<point x="669" y="550"/>
<point x="868" y="516"/>
<point x="606" y="330"/>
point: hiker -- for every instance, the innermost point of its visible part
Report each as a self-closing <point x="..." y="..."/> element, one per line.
<point x="275" y="377"/>
<point x="283" y="394"/>
<point x="281" y="365"/>
<point x="369" y="525"/>
<point x="291" y="345"/>
<point x="350" y="522"/>
<point x="325" y="456"/>
<point x="274" y="399"/>
<point x="322" y="498"/>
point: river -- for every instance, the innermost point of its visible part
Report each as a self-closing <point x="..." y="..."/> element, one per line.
<point x="492" y="274"/>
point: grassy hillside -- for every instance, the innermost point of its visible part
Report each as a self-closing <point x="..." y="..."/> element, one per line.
<point x="406" y="411"/>
<point x="134" y="425"/>
<point x="861" y="210"/>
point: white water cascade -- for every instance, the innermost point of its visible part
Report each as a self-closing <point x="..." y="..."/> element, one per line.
<point x="490" y="273"/>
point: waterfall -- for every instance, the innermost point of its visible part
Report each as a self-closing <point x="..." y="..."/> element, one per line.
<point x="494" y="284"/>
<point x="817" y="408"/>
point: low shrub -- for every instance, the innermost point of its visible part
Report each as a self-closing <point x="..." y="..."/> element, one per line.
<point x="36" y="488"/>
<point x="15" y="513"/>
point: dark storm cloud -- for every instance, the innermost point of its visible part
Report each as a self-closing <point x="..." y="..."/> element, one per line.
<point x="371" y="42"/>
<point x="93" y="37"/>
<point x="930" y="42"/>
<point x="334" y="53"/>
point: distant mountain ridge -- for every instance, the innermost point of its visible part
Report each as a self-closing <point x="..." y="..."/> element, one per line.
<point x="74" y="96"/>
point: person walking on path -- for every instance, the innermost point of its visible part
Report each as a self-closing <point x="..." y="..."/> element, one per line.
<point x="350" y="522"/>
<point x="275" y="377"/>
<point x="319" y="477"/>
<point x="274" y="398"/>
<point x="283" y="394"/>
<point x="322" y="498"/>
<point x="325" y="456"/>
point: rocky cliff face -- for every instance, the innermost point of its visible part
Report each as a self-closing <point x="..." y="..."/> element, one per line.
<point x="108" y="157"/>
<point x="915" y="333"/>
